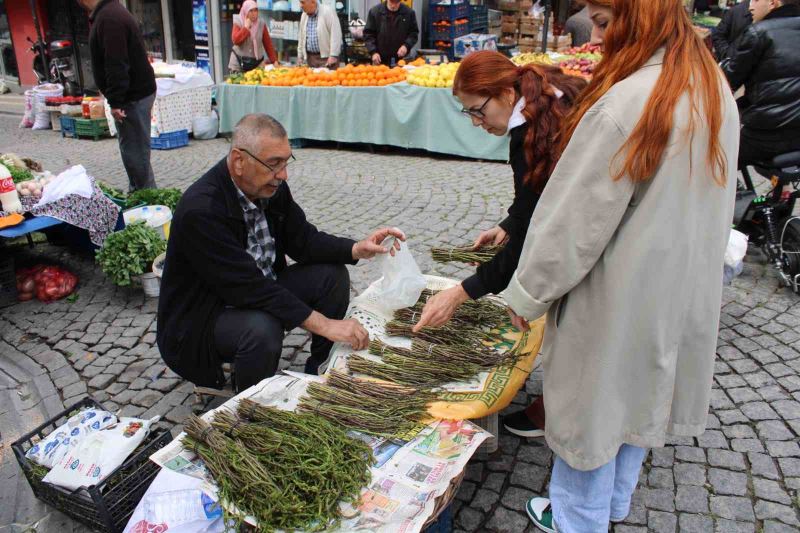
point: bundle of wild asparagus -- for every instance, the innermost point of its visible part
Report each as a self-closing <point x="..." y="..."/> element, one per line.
<point x="289" y="471"/>
<point x="483" y="312"/>
<point x="382" y="409"/>
<point x="465" y="254"/>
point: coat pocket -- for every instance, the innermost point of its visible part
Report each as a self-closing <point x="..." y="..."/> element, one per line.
<point x="562" y="304"/>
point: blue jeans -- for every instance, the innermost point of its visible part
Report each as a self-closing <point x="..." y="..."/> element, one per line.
<point x="584" y="502"/>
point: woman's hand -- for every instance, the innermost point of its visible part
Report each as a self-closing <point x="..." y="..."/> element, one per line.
<point x="518" y="322"/>
<point x="440" y="308"/>
<point x="490" y="237"/>
<point x="248" y="23"/>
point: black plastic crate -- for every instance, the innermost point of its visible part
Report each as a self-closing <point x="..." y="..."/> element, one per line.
<point x="108" y="505"/>
<point x="8" y="280"/>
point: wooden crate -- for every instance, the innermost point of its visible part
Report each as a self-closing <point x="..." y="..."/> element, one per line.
<point x="508" y="27"/>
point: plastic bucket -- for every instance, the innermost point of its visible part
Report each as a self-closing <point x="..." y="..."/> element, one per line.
<point x="151" y="284"/>
<point x="157" y="217"/>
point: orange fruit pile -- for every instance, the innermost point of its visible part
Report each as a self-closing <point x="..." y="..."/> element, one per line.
<point x="348" y="76"/>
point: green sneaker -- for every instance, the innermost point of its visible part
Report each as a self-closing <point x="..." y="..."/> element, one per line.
<point x="541" y="514"/>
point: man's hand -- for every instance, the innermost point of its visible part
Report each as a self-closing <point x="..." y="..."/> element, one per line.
<point x="441" y="307"/>
<point x="371" y="246"/>
<point x="118" y="114"/>
<point x="518" y="322"/>
<point x="490" y="237"/>
<point x="348" y="331"/>
<point x="376" y="58"/>
<point x="402" y="51"/>
<point x="332" y="61"/>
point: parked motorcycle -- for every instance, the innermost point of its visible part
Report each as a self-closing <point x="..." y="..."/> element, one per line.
<point x="768" y="220"/>
<point x="58" y="55"/>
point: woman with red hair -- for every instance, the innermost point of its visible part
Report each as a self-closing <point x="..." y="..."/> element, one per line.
<point x="625" y="255"/>
<point x="528" y="104"/>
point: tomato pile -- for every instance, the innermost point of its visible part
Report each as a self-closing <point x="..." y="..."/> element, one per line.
<point x="46" y="283"/>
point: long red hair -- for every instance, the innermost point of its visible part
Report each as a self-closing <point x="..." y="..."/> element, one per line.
<point x="638" y="29"/>
<point x="487" y="73"/>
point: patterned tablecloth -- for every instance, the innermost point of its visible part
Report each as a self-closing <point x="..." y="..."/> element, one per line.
<point x="98" y="215"/>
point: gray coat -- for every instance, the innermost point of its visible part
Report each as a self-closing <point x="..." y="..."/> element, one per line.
<point x="630" y="276"/>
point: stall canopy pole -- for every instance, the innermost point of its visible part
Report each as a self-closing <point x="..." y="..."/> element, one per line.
<point x="40" y="43"/>
<point x="546" y="26"/>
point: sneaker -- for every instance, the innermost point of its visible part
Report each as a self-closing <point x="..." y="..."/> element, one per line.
<point x="519" y="424"/>
<point x="541" y="514"/>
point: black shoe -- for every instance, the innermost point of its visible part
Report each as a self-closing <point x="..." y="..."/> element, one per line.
<point x="519" y="424"/>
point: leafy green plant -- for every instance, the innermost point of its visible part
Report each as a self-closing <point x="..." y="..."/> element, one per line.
<point x="130" y="252"/>
<point x="167" y="197"/>
<point x="111" y="191"/>
<point x="18" y="175"/>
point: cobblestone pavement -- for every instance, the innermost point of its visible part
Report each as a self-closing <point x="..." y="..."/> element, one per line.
<point x="742" y="475"/>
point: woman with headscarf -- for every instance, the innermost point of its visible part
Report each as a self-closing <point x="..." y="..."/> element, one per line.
<point x="251" y="40"/>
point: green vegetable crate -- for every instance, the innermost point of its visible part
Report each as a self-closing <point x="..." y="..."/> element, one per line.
<point x="96" y="128"/>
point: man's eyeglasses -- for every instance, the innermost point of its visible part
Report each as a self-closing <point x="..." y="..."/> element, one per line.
<point x="477" y="113"/>
<point x="272" y="168"/>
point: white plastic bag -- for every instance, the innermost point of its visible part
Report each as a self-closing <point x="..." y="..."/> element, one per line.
<point x="734" y="256"/>
<point x="52" y="449"/>
<point x="402" y="282"/>
<point x="99" y="454"/>
<point x="737" y="248"/>
<point x="74" y="180"/>
<point x="205" y="128"/>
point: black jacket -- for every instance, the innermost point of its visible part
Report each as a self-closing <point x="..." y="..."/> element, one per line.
<point x="386" y="37"/>
<point x="734" y="21"/>
<point x="119" y="61"/>
<point x="766" y="61"/>
<point x="494" y="276"/>
<point x="208" y="267"/>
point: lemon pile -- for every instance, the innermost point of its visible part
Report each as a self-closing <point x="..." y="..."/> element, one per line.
<point x="433" y="75"/>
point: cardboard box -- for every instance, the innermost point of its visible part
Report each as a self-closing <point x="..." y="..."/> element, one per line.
<point x="474" y="42"/>
<point x="509" y="27"/>
<point x="508" y="5"/>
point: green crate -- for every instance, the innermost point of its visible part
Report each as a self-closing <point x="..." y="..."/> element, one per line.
<point x="96" y="128"/>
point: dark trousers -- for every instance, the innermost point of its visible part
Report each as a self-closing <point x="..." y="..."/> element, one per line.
<point x="134" y="143"/>
<point x="253" y="340"/>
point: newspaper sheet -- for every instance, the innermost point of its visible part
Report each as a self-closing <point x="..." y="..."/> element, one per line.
<point x="406" y="478"/>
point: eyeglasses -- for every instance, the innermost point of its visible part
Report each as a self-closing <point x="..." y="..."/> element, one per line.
<point x="477" y="113"/>
<point x="272" y="168"/>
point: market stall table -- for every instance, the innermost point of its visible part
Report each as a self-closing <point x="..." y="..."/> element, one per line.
<point x="24" y="229"/>
<point x="401" y="115"/>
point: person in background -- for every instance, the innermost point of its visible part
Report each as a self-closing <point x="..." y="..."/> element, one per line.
<point x="624" y="254"/>
<point x="228" y="293"/>
<point x="734" y="21"/>
<point x="579" y="26"/>
<point x="526" y="104"/>
<point x="320" y="40"/>
<point x="765" y="60"/>
<point x="124" y="76"/>
<point x="251" y="39"/>
<point x="391" y="32"/>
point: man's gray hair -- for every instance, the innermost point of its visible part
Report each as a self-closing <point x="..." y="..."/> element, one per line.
<point x="249" y="131"/>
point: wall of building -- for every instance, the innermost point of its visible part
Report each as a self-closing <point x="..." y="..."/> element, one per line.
<point x="20" y="20"/>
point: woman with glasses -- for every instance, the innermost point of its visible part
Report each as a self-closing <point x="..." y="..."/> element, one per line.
<point x="527" y="104"/>
<point x="625" y="256"/>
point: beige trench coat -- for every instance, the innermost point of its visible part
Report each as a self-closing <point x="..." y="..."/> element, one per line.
<point x="630" y="276"/>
